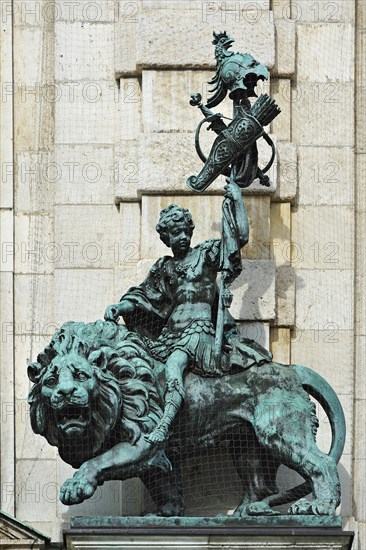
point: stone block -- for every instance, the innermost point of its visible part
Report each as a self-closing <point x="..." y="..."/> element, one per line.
<point x="87" y="236"/>
<point x="210" y="8"/>
<point x="327" y="43"/>
<point x="258" y="247"/>
<point x="29" y="445"/>
<point x="255" y="331"/>
<point x="87" y="112"/>
<point x="36" y="490"/>
<point x="161" y="150"/>
<point x="360" y="84"/>
<point x="130" y="108"/>
<point x="166" y="96"/>
<point x="85" y="174"/>
<point x="360" y="317"/>
<point x="280" y="345"/>
<point x="360" y="367"/>
<point x="360" y="177"/>
<point x="6" y="312"/>
<point x="254" y="292"/>
<point x="34" y="13"/>
<point x="6" y="240"/>
<point x="35" y="304"/>
<point x="28" y="66"/>
<point x="85" y="293"/>
<point x="281" y="233"/>
<point x="360" y="435"/>
<point x="359" y="502"/>
<point x="7" y="390"/>
<point x="326" y="175"/>
<point x="33" y="118"/>
<point x="287" y="179"/>
<point x="84" y="51"/>
<point x="285" y="296"/>
<point x="159" y="38"/>
<point x="285" y="47"/>
<point x="322" y="11"/>
<point x="315" y="104"/>
<point x="47" y="528"/>
<point x="127" y="171"/>
<point x="35" y="250"/>
<point x="98" y="11"/>
<point x="329" y="351"/>
<point x="323" y="237"/>
<point x="125" y="38"/>
<point x="36" y="176"/>
<point x="6" y="111"/>
<point x="26" y="112"/>
<point x="345" y="471"/>
<point x="130" y="240"/>
<point x="281" y="92"/>
<point x="324" y="298"/>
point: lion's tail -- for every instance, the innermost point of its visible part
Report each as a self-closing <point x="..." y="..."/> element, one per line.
<point x="318" y="388"/>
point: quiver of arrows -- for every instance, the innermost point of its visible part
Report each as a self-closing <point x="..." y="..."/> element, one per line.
<point x="265" y="109"/>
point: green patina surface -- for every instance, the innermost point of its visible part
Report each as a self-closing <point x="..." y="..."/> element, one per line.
<point x="133" y="402"/>
<point x="204" y="522"/>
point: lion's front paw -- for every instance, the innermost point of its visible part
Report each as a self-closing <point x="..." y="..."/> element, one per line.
<point x="171" y="509"/>
<point x="77" y="489"/>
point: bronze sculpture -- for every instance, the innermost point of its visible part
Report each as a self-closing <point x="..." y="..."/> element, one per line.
<point x="123" y="402"/>
<point x="180" y="294"/>
<point x="97" y="392"/>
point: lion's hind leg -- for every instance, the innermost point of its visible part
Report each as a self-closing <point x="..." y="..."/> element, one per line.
<point x="257" y="469"/>
<point x="288" y="428"/>
<point x="321" y="471"/>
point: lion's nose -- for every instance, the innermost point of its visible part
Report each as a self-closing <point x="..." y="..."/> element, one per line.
<point x="66" y="389"/>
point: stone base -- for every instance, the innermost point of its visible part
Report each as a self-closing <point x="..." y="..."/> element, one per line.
<point x="214" y="533"/>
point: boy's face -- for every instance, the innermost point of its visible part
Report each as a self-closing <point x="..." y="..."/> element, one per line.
<point x="179" y="237"/>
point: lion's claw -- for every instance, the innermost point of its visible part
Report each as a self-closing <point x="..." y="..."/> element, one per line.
<point x="316" y="508"/>
<point x="255" y="509"/>
<point x="77" y="489"/>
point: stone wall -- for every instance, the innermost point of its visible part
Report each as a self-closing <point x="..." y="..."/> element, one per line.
<point x="102" y="137"/>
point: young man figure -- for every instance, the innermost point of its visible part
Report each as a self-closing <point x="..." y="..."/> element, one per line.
<point x="175" y="307"/>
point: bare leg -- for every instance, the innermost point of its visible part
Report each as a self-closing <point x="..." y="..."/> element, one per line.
<point x="174" y="369"/>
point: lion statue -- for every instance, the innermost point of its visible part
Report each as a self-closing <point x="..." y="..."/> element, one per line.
<point x="97" y="392"/>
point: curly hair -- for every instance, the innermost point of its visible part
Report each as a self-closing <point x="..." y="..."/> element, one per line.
<point x="173" y="213"/>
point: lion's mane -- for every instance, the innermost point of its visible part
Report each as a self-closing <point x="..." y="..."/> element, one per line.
<point x="128" y="403"/>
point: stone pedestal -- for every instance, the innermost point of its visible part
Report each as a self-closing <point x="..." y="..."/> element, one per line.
<point x="214" y="533"/>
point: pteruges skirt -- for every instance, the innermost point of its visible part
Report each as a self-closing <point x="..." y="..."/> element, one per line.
<point x="197" y="340"/>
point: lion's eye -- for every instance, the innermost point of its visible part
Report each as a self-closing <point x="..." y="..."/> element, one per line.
<point x="81" y="376"/>
<point x="51" y="381"/>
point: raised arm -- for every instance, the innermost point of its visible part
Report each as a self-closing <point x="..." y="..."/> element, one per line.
<point x="233" y="192"/>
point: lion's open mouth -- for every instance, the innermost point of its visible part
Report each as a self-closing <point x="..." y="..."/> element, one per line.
<point x="72" y="417"/>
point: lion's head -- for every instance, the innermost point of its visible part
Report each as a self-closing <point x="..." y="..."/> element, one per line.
<point x="94" y="386"/>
